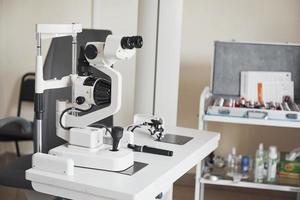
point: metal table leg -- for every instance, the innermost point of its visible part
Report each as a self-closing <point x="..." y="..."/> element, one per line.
<point x="199" y="187"/>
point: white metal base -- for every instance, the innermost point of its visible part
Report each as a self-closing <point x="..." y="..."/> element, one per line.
<point x="101" y="158"/>
<point x="59" y="191"/>
<point x="158" y="176"/>
<point x="62" y="192"/>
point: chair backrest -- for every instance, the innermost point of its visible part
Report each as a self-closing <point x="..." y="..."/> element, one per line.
<point x="58" y="64"/>
<point x="26" y="90"/>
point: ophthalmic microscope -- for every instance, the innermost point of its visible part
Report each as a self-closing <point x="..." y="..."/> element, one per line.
<point x="85" y="145"/>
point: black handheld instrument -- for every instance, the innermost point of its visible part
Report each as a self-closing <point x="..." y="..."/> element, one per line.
<point x="152" y="150"/>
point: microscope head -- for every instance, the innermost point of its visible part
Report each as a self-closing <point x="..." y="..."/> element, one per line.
<point x="113" y="49"/>
<point x="91" y="90"/>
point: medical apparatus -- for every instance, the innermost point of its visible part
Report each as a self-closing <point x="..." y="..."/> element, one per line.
<point x="151" y="176"/>
<point x="152" y="150"/>
<point x="86" y="145"/>
<point x="152" y="124"/>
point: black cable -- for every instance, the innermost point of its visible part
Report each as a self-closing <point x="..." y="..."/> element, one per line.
<point x="66" y="110"/>
<point x="129" y="127"/>
<point x="137" y="126"/>
<point x="60" y="118"/>
<point x="133" y="127"/>
<point x="151" y="133"/>
<point x="157" y="131"/>
<point x="81" y="110"/>
<point x="103" y="126"/>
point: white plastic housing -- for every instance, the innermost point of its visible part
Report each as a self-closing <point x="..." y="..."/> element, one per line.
<point x="84" y="91"/>
<point x="86" y="137"/>
<point x="103" y="158"/>
<point x="54" y="164"/>
<point x="114" y="107"/>
<point x="113" y="49"/>
<point x="110" y="51"/>
<point x="58" y="30"/>
<point x="61" y="105"/>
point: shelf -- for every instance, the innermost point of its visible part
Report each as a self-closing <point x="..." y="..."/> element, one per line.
<point x="281" y="184"/>
<point x="245" y="184"/>
<point x="261" y="122"/>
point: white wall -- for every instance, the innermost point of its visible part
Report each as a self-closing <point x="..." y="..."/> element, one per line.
<point x="19" y="19"/>
<point x="17" y="37"/>
<point x="158" y="62"/>
<point x="121" y="20"/>
<point x="17" y="49"/>
<point x="244" y="20"/>
<point x="2" y="100"/>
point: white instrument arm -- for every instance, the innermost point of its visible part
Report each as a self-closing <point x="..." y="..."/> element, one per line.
<point x="114" y="107"/>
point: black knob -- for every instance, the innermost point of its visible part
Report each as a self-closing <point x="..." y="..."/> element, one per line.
<point x="160" y="196"/>
<point x="132" y="42"/>
<point x="127" y="43"/>
<point x="91" y="51"/>
<point x="80" y="100"/>
<point x="138" y="42"/>
<point x="116" y="134"/>
<point x="83" y="66"/>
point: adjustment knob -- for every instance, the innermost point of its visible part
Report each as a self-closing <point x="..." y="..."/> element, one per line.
<point x="138" y="41"/>
<point x="132" y="42"/>
<point x="116" y="134"/>
<point x="80" y="100"/>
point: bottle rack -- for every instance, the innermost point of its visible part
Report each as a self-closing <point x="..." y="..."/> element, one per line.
<point x="223" y="180"/>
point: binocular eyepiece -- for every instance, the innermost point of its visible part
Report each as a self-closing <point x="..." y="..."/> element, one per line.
<point x="132" y="42"/>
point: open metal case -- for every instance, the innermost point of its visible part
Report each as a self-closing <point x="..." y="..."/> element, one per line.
<point x="230" y="59"/>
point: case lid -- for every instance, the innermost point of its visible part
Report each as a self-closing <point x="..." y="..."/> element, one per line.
<point x="230" y="58"/>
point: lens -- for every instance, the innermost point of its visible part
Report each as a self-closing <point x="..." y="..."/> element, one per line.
<point x="138" y="41"/>
<point x="90" y="51"/>
<point x="127" y="43"/>
<point x="102" y="89"/>
<point x="102" y="92"/>
<point x="132" y="42"/>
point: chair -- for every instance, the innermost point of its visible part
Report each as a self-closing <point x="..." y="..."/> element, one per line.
<point x="16" y="128"/>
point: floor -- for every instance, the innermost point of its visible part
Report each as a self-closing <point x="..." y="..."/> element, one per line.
<point x="7" y="193"/>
